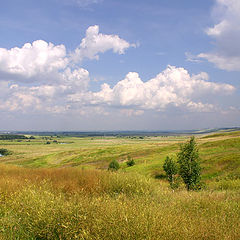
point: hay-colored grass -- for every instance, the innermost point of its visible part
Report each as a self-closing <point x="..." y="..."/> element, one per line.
<point x="90" y="204"/>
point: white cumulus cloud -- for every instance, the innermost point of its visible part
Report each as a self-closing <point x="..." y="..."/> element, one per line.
<point x="95" y="43"/>
<point x="172" y="87"/>
<point x="39" y="57"/>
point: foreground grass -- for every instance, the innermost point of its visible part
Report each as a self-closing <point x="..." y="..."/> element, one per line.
<point x="89" y="204"/>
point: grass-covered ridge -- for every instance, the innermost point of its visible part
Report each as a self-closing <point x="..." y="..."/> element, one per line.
<point x="222" y="134"/>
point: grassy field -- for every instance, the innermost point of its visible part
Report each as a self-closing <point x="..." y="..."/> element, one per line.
<point x="220" y="153"/>
<point x="63" y="190"/>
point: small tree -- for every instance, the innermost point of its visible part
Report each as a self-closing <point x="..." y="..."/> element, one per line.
<point x="113" y="165"/>
<point x="170" y="167"/>
<point x="189" y="167"/>
<point x="130" y="162"/>
<point x="5" y="152"/>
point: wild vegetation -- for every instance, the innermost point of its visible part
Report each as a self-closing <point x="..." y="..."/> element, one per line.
<point x="63" y="190"/>
<point x="171" y="169"/>
<point x="4" y="152"/>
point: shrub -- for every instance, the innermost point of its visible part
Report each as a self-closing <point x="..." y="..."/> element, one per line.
<point x="130" y="162"/>
<point x="5" y="152"/>
<point x="113" y="165"/>
<point x="160" y="176"/>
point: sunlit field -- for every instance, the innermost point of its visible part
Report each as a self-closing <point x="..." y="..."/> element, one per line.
<point x="63" y="190"/>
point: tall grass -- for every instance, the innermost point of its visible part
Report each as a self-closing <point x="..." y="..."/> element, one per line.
<point x="85" y="204"/>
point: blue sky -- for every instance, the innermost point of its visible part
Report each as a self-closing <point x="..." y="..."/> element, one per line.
<point x="119" y="65"/>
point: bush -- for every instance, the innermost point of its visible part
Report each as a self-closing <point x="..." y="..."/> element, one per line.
<point x="160" y="176"/>
<point x="130" y="162"/>
<point x="5" y="152"/>
<point x="170" y="167"/>
<point x="113" y="165"/>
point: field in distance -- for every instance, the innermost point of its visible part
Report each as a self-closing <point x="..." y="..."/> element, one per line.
<point x="219" y="153"/>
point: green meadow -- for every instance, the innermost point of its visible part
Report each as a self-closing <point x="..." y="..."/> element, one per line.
<point x="60" y="188"/>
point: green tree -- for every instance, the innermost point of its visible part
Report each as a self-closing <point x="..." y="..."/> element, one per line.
<point x="113" y="165"/>
<point x="170" y="168"/>
<point x="5" y="152"/>
<point x="189" y="167"/>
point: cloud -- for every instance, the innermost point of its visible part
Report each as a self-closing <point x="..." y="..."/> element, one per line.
<point x="33" y="59"/>
<point x="229" y="63"/>
<point x="84" y="3"/>
<point x="95" y="43"/>
<point x="40" y="76"/>
<point x="192" y="58"/>
<point x="80" y="3"/>
<point x="44" y="97"/>
<point x="77" y="78"/>
<point x="173" y="87"/>
<point x="19" y="101"/>
<point x="42" y="61"/>
<point x="226" y="33"/>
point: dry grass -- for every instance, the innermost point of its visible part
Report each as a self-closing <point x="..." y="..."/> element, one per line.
<point x="89" y="204"/>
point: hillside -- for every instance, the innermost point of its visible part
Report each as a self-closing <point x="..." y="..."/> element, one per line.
<point x="219" y="152"/>
<point x="59" y="188"/>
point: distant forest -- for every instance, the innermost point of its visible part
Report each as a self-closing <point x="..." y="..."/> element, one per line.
<point x="12" y="137"/>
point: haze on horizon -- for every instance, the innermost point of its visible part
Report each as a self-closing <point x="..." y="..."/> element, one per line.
<point x="90" y="65"/>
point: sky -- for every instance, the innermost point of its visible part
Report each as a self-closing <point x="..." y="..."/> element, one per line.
<point x="95" y="65"/>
